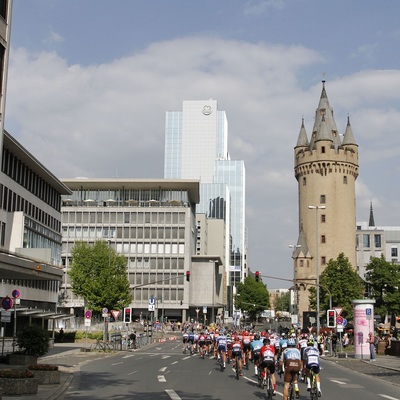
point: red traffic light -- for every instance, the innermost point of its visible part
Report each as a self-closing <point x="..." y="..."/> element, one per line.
<point x="257" y="276"/>
<point x="188" y="276"/>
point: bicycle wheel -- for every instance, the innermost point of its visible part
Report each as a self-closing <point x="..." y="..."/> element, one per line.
<point x="237" y="367"/>
<point x="291" y="392"/>
<point x="270" y="389"/>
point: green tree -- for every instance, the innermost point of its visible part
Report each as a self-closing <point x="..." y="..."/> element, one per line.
<point x="282" y="302"/>
<point x="252" y="297"/>
<point x="340" y="281"/>
<point x="98" y="274"/>
<point x="384" y="281"/>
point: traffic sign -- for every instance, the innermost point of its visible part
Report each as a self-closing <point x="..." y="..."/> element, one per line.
<point x="152" y="301"/>
<point x="6" y="316"/>
<point x="105" y="310"/>
<point x="339" y="320"/>
<point x="152" y="307"/>
<point x="16" y="293"/>
<point x="338" y="310"/>
<point x="115" y="313"/>
<point x="88" y="314"/>
<point x="344" y="322"/>
<point x="7" y="303"/>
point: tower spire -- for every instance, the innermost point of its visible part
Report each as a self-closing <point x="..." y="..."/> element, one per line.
<point x="371" y="216"/>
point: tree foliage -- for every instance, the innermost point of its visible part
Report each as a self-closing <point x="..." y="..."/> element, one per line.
<point x="384" y="281"/>
<point x="282" y="302"/>
<point x="340" y="281"/>
<point x="252" y="297"/>
<point x="98" y="274"/>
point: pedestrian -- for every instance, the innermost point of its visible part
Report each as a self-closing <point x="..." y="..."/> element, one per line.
<point x="371" y="342"/>
<point x="345" y="340"/>
<point x="61" y="335"/>
<point x="334" y="344"/>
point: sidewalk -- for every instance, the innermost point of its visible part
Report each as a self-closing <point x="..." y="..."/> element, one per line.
<point x="68" y="357"/>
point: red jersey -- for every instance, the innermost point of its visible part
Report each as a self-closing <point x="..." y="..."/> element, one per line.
<point x="267" y="352"/>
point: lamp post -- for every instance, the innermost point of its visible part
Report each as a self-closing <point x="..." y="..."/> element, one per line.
<point x="295" y="305"/>
<point x="317" y="258"/>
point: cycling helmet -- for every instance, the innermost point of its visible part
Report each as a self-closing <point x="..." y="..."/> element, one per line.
<point x="291" y="342"/>
<point x="266" y="341"/>
<point x="310" y="342"/>
<point x="256" y="336"/>
<point x="283" y="334"/>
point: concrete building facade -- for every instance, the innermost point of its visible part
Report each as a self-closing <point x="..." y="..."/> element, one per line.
<point x="153" y="224"/>
<point x="326" y="168"/>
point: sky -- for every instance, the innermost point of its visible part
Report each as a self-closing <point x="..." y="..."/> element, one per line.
<point x="90" y="81"/>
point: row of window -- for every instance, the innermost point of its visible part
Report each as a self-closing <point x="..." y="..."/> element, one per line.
<point x="100" y="217"/>
<point x="23" y="175"/>
<point x="366" y="240"/>
<point x="51" y="286"/>
<point x="124" y="233"/>
<point x="11" y="202"/>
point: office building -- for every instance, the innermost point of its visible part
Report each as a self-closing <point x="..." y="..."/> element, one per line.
<point x="196" y="147"/>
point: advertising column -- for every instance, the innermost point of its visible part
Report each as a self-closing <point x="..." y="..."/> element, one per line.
<point x="363" y="325"/>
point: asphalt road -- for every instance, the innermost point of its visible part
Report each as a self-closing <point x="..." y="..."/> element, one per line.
<point x="162" y="372"/>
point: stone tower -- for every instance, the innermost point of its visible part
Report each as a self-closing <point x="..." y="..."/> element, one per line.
<point x="326" y="168"/>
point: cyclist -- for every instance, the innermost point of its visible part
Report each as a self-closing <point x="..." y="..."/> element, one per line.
<point x="202" y="344"/>
<point x="283" y="343"/>
<point x="302" y="345"/>
<point x="246" y="347"/>
<point x="312" y="362"/>
<point x="185" y="341"/>
<point x="291" y="361"/>
<point x="267" y="354"/>
<point x="237" y="351"/>
<point x="221" y="348"/>
<point x="255" y="347"/>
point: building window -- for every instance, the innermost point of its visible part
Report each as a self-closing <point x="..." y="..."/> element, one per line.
<point x="323" y="218"/>
<point x="323" y="239"/>
<point x="304" y="181"/>
<point x="378" y="240"/>
<point x="301" y="263"/>
<point x="345" y="180"/>
<point x="323" y="149"/>
<point x="322" y="199"/>
<point x="366" y="241"/>
<point x="394" y="251"/>
<point x="323" y="260"/>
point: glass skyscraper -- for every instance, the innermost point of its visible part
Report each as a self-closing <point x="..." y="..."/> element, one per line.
<point x="196" y="147"/>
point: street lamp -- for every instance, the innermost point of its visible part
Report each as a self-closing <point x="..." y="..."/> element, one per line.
<point x="295" y="295"/>
<point x="317" y="258"/>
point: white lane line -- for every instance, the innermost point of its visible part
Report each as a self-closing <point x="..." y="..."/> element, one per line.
<point x="131" y="373"/>
<point x="175" y="362"/>
<point x="161" y="378"/>
<point x="388" y="397"/>
<point x="130" y="355"/>
<point x="339" y="382"/>
<point x="185" y="358"/>
<point x="162" y="369"/>
<point x="164" y="357"/>
<point x="172" y="394"/>
<point x="117" y="363"/>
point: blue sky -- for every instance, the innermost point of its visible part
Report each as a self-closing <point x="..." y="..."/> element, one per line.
<point x="90" y="82"/>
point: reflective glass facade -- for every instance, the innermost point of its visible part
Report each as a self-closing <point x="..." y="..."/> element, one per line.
<point x="196" y="147"/>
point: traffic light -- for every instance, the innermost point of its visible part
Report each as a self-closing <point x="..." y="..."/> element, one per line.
<point x="127" y="315"/>
<point x="257" y="276"/>
<point x="331" y="318"/>
<point x="188" y="276"/>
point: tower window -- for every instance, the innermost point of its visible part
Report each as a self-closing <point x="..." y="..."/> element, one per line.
<point x="323" y="149"/>
<point x="323" y="218"/>
<point x="345" y="180"/>
<point x="304" y="181"/>
<point x="323" y="239"/>
<point x="322" y="199"/>
<point x="323" y="260"/>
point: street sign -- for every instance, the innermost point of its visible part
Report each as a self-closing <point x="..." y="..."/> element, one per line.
<point x="338" y="310"/>
<point x="7" y="302"/>
<point x="204" y="309"/>
<point x="88" y="321"/>
<point x="344" y="322"/>
<point x="6" y="316"/>
<point x="339" y="320"/>
<point x="115" y="313"/>
<point x="105" y="310"/>
<point x="152" y="301"/>
<point x="152" y="307"/>
<point x="16" y="293"/>
<point x="88" y="314"/>
<point x="368" y="313"/>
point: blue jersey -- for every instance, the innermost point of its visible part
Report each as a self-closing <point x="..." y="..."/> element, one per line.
<point x="291" y="353"/>
<point x="283" y="343"/>
<point x="256" y="345"/>
<point x="311" y="356"/>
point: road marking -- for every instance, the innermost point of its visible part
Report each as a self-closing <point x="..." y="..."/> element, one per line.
<point x="175" y="362"/>
<point x="186" y="358"/>
<point x="388" y="397"/>
<point x="339" y="382"/>
<point x="131" y="373"/>
<point x="130" y="355"/>
<point x="162" y="369"/>
<point x="161" y="378"/>
<point x="172" y="394"/>
<point x="117" y="363"/>
<point x="164" y="357"/>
